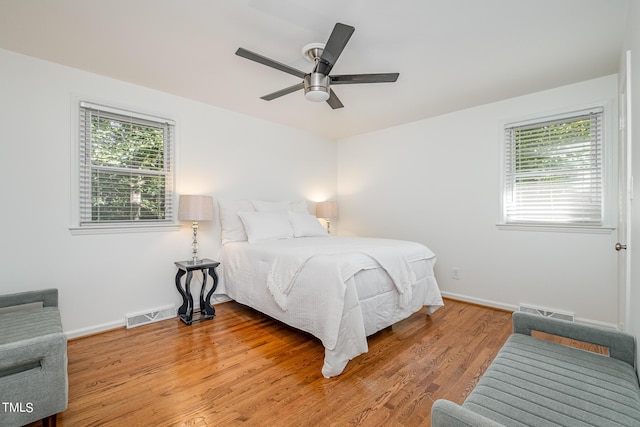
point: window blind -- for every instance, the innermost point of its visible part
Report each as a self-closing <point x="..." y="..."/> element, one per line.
<point x="554" y="170"/>
<point x="126" y="173"/>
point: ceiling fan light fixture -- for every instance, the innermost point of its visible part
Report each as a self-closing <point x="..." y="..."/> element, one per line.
<point x="316" y="95"/>
<point x="316" y="87"/>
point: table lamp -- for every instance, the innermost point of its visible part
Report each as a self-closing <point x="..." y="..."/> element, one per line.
<point x="195" y="208"/>
<point x="327" y="210"/>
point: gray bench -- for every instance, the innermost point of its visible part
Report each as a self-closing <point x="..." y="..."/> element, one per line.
<point x="534" y="382"/>
<point x="33" y="359"/>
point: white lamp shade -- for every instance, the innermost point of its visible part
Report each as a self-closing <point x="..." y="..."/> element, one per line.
<point x="328" y="209"/>
<point x="195" y="208"/>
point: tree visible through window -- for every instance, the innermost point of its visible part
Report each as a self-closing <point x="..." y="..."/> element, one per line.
<point x="554" y="171"/>
<point x="126" y="174"/>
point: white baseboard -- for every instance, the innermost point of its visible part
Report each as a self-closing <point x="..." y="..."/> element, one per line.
<point x="510" y="307"/>
<point x="480" y="301"/>
<point x="220" y="298"/>
<point x="91" y="330"/>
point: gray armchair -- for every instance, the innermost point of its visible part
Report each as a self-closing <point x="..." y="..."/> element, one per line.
<point x="33" y="359"/>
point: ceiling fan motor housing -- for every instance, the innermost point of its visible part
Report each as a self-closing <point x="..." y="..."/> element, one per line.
<point x="316" y="87"/>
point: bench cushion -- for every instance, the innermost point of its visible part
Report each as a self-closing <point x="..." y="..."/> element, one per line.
<point x="533" y="382"/>
<point x="27" y="324"/>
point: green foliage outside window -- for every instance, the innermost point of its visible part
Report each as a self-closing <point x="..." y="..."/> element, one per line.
<point x="554" y="170"/>
<point x="538" y="150"/>
<point x="127" y="170"/>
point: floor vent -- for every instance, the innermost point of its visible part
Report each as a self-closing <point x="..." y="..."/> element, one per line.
<point x="546" y="312"/>
<point x="155" y="315"/>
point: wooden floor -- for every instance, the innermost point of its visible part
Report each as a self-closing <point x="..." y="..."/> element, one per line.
<point x="243" y="368"/>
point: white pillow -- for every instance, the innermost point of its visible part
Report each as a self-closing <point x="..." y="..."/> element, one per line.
<point x="261" y="206"/>
<point x="306" y="225"/>
<point x="261" y="226"/>
<point x="232" y="227"/>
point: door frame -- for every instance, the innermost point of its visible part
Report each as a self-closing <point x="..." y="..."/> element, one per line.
<point x="625" y="195"/>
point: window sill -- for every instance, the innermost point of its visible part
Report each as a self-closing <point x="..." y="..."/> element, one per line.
<point x="602" y="229"/>
<point x="122" y="228"/>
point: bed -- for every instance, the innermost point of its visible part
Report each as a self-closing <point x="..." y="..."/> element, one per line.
<point x="279" y="260"/>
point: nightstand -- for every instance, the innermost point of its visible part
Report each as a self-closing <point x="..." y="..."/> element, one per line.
<point x="205" y="266"/>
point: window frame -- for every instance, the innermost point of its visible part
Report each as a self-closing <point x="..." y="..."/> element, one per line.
<point x="608" y="154"/>
<point x="80" y="226"/>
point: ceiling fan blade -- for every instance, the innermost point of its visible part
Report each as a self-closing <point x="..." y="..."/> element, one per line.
<point x="335" y="45"/>
<point x="333" y="100"/>
<point x="282" y="92"/>
<point x="269" y="62"/>
<point x="348" y="79"/>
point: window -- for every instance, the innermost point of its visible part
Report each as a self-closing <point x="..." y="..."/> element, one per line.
<point x="126" y="171"/>
<point x="554" y="171"/>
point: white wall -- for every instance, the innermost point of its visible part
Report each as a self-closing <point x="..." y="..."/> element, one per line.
<point x="437" y="181"/>
<point x="103" y="277"/>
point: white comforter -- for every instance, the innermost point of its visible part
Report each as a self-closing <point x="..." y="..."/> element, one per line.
<point x="310" y="283"/>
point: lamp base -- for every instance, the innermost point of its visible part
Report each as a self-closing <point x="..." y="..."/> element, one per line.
<point x="194" y="245"/>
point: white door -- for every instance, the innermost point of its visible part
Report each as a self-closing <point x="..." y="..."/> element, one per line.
<point x="625" y="192"/>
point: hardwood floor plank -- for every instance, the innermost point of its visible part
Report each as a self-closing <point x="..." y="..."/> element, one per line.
<point x="244" y="368"/>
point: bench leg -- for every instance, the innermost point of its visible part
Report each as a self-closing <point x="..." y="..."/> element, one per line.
<point x="50" y="421"/>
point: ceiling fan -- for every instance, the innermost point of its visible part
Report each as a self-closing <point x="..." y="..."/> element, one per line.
<point x="317" y="83"/>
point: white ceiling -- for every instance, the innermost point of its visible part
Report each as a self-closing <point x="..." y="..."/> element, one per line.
<point x="451" y="54"/>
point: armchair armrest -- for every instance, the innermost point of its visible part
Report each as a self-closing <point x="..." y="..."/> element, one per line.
<point x="448" y="414"/>
<point x="622" y="346"/>
<point x="48" y="297"/>
<point x="34" y="370"/>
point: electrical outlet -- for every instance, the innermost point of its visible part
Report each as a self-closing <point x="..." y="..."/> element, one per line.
<point x="456" y="273"/>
